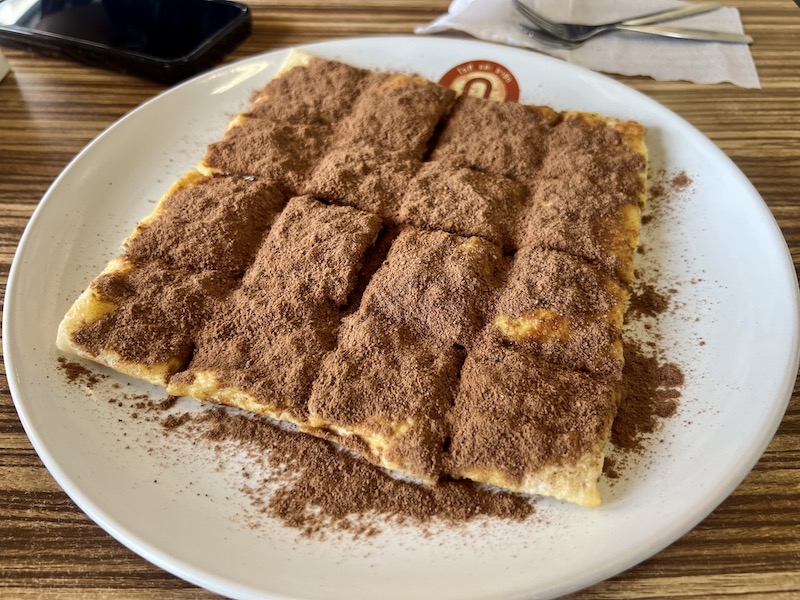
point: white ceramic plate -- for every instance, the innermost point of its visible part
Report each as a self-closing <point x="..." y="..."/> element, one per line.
<point x="182" y="513"/>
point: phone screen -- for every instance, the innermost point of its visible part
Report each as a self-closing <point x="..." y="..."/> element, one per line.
<point x="155" y="30"/>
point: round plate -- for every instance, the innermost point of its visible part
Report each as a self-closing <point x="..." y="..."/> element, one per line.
<point x="734" y="321"/>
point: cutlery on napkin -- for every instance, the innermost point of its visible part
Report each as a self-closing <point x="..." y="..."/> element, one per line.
<point x="623" y="53"/>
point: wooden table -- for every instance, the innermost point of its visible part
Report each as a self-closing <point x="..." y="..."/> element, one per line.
<point x="51" y="108"/>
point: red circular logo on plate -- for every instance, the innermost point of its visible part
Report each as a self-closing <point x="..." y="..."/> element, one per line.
<point x="482" y="79"/>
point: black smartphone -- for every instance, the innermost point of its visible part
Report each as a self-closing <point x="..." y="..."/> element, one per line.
<point x="164" y="40"/>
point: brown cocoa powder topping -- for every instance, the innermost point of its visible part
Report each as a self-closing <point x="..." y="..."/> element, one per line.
<point x="216" y="224"/>
<point x="379" y="377"/>
<point x="579" y="297"/>
<point x="382" y="375"/>
<point x="277" y="153"/>
<point x="395" y="113"/>
<point x="436" y="284"/>
<point x="594" y="157"/>
<point x="647" y="301"/>
<point x="157" y="313"/>
<point x="323" y="489"/>
<point x="270" y="350"/>
<point x="183" y="264"/>
<point x="504" y="139"/>
<point x="363" y="177"/>
<point x="562" y="216"/>
<point x="651" y="393"/>
<point x="313" y="249"/>
<point x="580" y="196"/>
<point x="384" y="371"/>
<point x="290" y="125"/>
<point x="680" y="181"/>
<point x="78" y="373"/>
<point x="322" y="92"/>
<point x="539" y="414"/>
<point x="283" y="318"/>
<point x="542" y="279"/>
<point x="464" y="202"/>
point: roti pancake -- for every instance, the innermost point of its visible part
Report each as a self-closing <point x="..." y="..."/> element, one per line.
<point x="437" y="283"/>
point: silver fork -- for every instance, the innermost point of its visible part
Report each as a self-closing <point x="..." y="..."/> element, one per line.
<point x="580" y="33"/>
<point x="674" y="32"/>
<point x="550" y="40"/>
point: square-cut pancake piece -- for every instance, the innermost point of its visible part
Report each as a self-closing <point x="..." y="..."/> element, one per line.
<point x="564" y="218"/>
<point x="564" y="310"/>
<point x="139" y="315"/>
<point x="396" y="113"/>
<point x="389" y="390"/>
<point x="260" y="353"/>
<point x="365" y="178"/>
<point x="530" y="426"/>
<point x="141" y="321"/>
<point x="436" y="284"/>
<point x="206" y="223"/>
<point x="289" y="123"/>
<point x="263" y="351"/>
<point x="276" y="152"/>
<point x="310" y="90"/>
<point x="314" y="250"/>
<point x="587" y="195"/>
<point x="464" y="202"/>
<point x="498" y="138"/>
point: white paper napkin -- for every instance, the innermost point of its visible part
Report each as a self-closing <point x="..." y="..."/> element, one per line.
<point x="620" y="52"/>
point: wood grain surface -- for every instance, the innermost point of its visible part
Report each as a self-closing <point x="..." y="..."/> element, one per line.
<point x="51" y="108"/>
